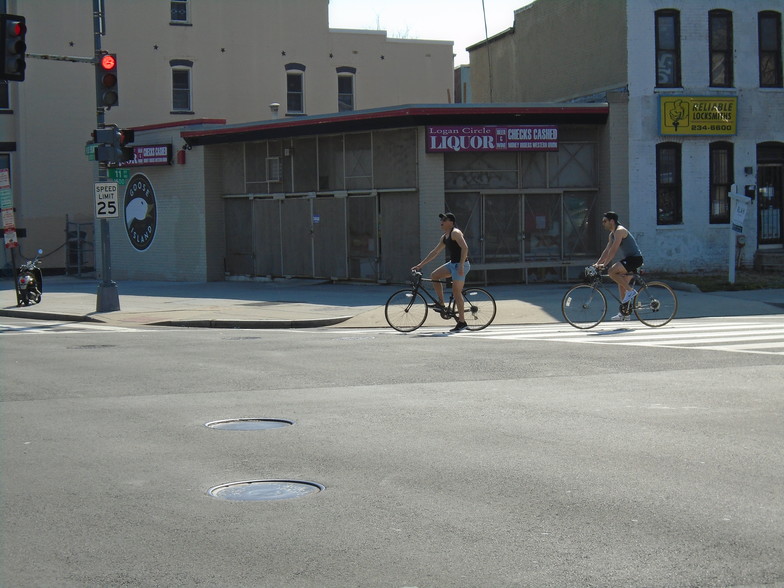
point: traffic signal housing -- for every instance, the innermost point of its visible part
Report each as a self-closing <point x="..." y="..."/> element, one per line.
<point x="111" y="144"/>
<point x="106" y="93"/>
<point x="12" y="47"/>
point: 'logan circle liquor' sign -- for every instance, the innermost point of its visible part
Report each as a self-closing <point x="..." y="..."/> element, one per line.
<point x="141" y="212"/>
<point x="491" y="138"/>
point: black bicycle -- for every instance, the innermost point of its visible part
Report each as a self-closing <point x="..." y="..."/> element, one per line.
<point x="585" y="305"/>
<point x="406" y="310"/>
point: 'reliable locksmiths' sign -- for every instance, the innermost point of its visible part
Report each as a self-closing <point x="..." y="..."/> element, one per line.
<point x="698" y="115"/>
<point x="450" y="139"/>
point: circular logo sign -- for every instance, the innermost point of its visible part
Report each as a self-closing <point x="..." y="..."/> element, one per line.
<point x="141" y="215"/>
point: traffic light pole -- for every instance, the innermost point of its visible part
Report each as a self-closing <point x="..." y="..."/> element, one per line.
<point x="108" y="299"/>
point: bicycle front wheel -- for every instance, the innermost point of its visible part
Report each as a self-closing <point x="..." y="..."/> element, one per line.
<point x="584" y="306"/>
<point x="406" y="310"/>
<point x="479" y="308"/>
<point x="655" y="304"/>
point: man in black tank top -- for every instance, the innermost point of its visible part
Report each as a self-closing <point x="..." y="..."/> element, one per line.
<point x="620" y="240"/>
<point x="458" y="266"/>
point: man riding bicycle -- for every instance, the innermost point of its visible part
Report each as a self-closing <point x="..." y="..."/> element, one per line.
<point x="457" y="267"/>
<point x="620" y="239"/>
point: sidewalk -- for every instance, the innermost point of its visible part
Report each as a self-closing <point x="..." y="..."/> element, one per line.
<point x="298" y="303"/>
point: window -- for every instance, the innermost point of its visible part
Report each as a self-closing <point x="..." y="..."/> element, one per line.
<point x="346" y="88"/>
<point x="668" y="184"/>
<point x="770" y="50"/>
<point x="179" y="11"/>
<point x="181" y="89"/>
<point x="668" y="49"/>
<point x="721" y="178"/>
<point x="720" y="39"/>
<point x="295" y="88"/>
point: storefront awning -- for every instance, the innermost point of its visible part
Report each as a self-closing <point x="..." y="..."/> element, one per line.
<point x="400" y="116"/>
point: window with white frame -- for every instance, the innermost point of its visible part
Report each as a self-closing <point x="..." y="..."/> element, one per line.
<point x="668" y="49"/>
<point x="669" y="190"/>
<point x="179" y="11"/>
<point x="295" y="88"/>
<point x="770" y="49"/>
<point x="181" y="86"/>
<point x="721" y="178"/>
<point x="720" y="47"/>
<point x="346" y="88"/>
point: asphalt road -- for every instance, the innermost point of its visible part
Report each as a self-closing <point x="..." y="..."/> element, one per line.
<point x="446" y="461"/>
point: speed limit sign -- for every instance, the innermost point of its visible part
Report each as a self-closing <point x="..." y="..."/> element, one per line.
<point x="106" y="205"/>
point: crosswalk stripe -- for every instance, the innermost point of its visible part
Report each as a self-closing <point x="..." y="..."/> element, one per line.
<point x="747" y="335"/>
<point x="59" y="328"/>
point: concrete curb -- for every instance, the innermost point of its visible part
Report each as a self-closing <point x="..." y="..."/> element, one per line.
<point x="253" y="324"/>
<point x="49" y="316"/>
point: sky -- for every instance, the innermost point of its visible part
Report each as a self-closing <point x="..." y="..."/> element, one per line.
<point x="460" y="21"/>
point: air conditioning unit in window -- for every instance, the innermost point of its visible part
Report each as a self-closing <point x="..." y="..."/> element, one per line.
<point x="274" y="169"/>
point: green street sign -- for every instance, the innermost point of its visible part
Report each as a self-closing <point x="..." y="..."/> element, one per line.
<point x="119" y="175"/>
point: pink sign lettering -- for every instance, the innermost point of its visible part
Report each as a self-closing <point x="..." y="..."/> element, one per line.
<point x="492" y="138"/>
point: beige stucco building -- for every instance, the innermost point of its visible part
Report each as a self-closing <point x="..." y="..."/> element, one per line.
<point x="179" y="61"/>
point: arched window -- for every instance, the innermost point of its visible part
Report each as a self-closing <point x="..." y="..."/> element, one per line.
<point x="720" y="47"/>
<point x="295" y="88"/>
<point x="669" y="188"/>
<point x="770" y="49"/>
<point x="668" y="49"/>
<point x="181" y="85"/>
<point x="721" y="178"/>
<point x="346" y="88"/>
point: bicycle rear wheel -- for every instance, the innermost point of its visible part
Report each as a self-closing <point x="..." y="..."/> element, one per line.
<point x="479" y="308"/>
<point x="655" y="304"/>
<point x="406" y="310"/>
<point x="584" y="306"/>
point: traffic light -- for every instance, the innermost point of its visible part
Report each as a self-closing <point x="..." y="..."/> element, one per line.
<point x="111" y="144"/>
<point x="124" y="152"/>
<point x="106" y="81"/>
<point x="13" y="46"/>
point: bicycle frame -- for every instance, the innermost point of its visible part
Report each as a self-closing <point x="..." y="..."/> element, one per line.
<point x="406" y="310"/>
<point x="585" y="305"/>
<point x="449" y="309"/>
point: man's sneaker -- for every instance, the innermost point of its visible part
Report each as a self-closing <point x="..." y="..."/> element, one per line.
<point x="629" y="296"/>
<point x="458" y="327"/>
<point x="620" y="317"/>
<point x="437" y="307"/>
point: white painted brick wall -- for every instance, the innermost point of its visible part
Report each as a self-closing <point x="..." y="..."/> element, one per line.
<point x="696" y="244"/>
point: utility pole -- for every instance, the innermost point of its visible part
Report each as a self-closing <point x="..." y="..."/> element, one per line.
<point x="108" y="298"/>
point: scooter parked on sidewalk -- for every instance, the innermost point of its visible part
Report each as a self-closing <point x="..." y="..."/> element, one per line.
<point x="29" y="282"/>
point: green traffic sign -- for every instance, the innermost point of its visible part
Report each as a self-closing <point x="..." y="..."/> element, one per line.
<point x="119" y="175"/>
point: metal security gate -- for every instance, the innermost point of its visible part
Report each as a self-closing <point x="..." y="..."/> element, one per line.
<point x="770" y="184"/>
<point x="530" y="236"/>
<point x="239" y="236"/>
<point x="367" y="237"/>
<point x="328" y="228"/>
<point x="399" y="238"/>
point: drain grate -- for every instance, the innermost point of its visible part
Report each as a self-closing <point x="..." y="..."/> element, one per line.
<point x="248" y="424"/>
<point x="265" y="490"/>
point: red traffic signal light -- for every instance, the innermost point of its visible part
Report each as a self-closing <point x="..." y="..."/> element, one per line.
<point x="12" y="47"/>
<point x="108" y="62"/>
<point x="106" y="81"/>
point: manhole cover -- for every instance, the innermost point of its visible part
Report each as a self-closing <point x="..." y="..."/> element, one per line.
<point x="265" y="490"/>
<point x="248" y="424"/>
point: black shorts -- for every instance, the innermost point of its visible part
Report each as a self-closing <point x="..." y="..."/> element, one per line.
<point x="632" y="263"/>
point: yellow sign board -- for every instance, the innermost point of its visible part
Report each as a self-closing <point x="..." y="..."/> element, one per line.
<point x="698" y="115"/>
